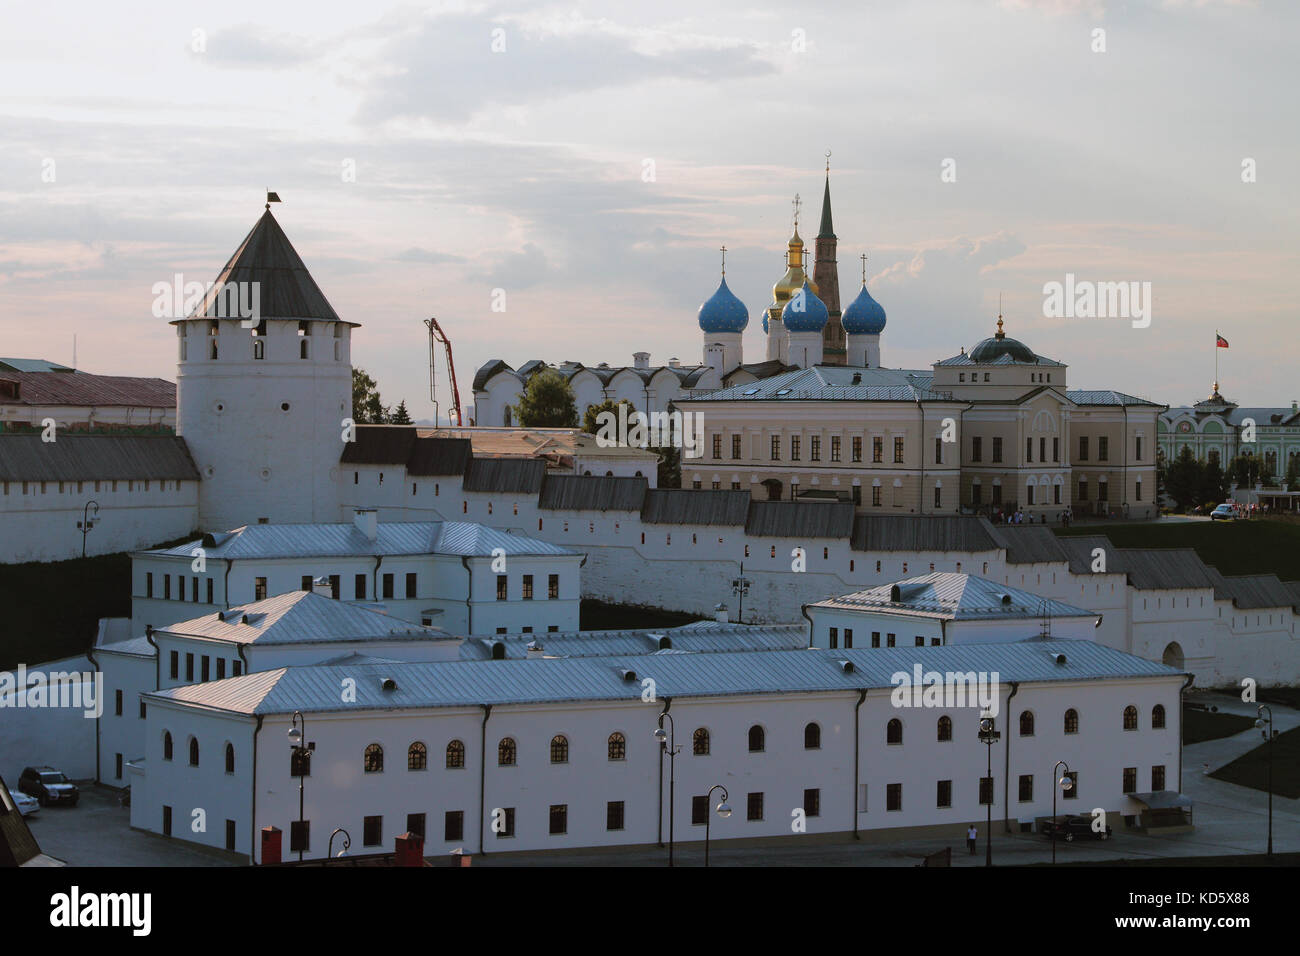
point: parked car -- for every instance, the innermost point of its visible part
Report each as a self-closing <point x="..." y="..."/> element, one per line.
<point x="26" y="805"/>
<point x="1068" y="827"/>
<point x="1225" y="511"/>
<point x="49" y="786"/>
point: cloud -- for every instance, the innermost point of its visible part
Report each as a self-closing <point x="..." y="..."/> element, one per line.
<point x="517" y="270"/>
<point x="426" y="256"/>
<point x="250" y="45"/>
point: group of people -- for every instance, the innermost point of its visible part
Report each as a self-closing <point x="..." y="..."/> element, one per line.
<point x="1019" y="517"/>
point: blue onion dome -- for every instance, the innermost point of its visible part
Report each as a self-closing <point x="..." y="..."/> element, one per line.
<point x="723" y="312"/>
<point x="865" y="316"/>
<point x="811" y="318"/>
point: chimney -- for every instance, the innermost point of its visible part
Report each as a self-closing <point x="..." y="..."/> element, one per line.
<point x="367" y="522"/>
<point x="640" y="359"/>
<point x="720" y="614"/>
<point x="535" y="650"/>
<point x="674" y="362"/>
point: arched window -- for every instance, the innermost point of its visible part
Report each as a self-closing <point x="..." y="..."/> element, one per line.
<point x="230" y="758"/>
<point x="559" y="749"/>
<point x="506" y="752"/>
<point x="812" y="737"/>
<point x="1130" y="717"/>
<point x="894" y="731"/>
<point x="374" y="759"/>
<point x="1026" y="723"/>
<point x="1158" y="717"/>
<point x="700" y="742"/>
<point x="757" y="739"/>
<point x="1071" y="721"/>
<point x="167" y="745"/>
<point x="455" y="755"/>
<point x="945" y="728"/>
<point x="617" y="746"/>
<point x="194" y="751"/>
<point x="417" y="756"/>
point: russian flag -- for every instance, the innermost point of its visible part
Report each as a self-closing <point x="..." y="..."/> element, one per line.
<point x="1219" y="341"/>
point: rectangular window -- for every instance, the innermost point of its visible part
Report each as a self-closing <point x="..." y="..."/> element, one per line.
<point x="834" y="637"/>
<point x="976" y="448"/>
<point x="1103" y="448"/>
<point x="754" y="806"/>
<point x="506" y="827"/>
<point x="209" y="584"/>
<point x="1130" y="779"/>
<point x="1083" y="489"/>
<point x="559" y="818"/>
<point x="453" y="825"/>
<point x="388" y="586"/>
<point x="794" y="448"/>
<point x="835" y="448"/>
<point x="857" y="447"/>
<point x="117" y="765"/>
<point x="236" y="668"/>
<point x="259" y="589"/>
<point x="502" y="589"/>
<point x="300" y="836"/>
<point x="1042" y="449"/>
<point x="1029" y="449"/>
<point x="1056" y="494"/>
<point x="812" y="803"/>
<point x="919" y="641"/>
<point x="221" y="668"/>
<point x="1103" y="490"/>
<point x="890" y="640"/>
<point x="976" y="494"/>
<point x="1026" y="790"/>
<point x="306" y="582"/>
<point x="717" y="447"/>
<point x="997" y="449"/>
<point x="410" y="584"/>
<point x="1083" y="448"/>
<point x="614" y="815"/>
<point x="943" y="794"/>
<point x="877" y="449"/>
<point x="735" y="446"/>
<point x="373" y="831"/>
<point x="117" y="705"/>
<point x="528" y="587"/>
<point x="415" y="824"/>
<point x="938" y="451"/>
<point x="776" y="447"/>
<point x="230" y="834"/>
<point x="1029" y="494"/>
<point x="359" y="587"/>
<point x="204" y="669"/>
<point x="142" y="711"/>
<point x="553" y="586"/>
<point x="1137" y="450"/>
<point x="894" y="796"/>
<point x="848" y="638"/>
<point x="148" y="584"/>
<point x="175" y="665"/>
<point x="189" y="668"/>
<point x="997" y="495"/>
<point x="875" y="638"/>
<point x="986" y="790"/>
<point x="1137" y="490"/>
<point x="167" y="820"/>
<point x="815" y="448"/>
<point x="167" y="587"/>
<point x="875" y="496"/>
<point x="336" y="587"/>
<point x="1158" y="777"/>
<point x="1056" y="449"/>
<point x="938" y="497"/>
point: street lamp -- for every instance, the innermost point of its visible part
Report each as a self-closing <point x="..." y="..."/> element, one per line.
<point x="668" y="739"/>
<point x="1064" y="783"/>
<point x="989" y="735"/>
<point x="301" y="754"/>
<point x="740" y="587"/>
<point x="87" y="522"/>
<point x="1266" y="725"/>
<point x="724" y="811"/>
<point x="347" y="843"/>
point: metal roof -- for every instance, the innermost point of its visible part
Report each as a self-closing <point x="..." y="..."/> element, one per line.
<point x="301" y="617"/>
<point x="403" y="445"/>
<point x="1248" y="591"/>
<point x="955" y="596"/>
<point x="470" y="539"/>
<point x="1161" y="568"/>
<point x="830" y="383"/>
<point x="1079" y="548"/>
<point x="1029" y="544"/>
<point x="923" y="533"/>
<point x="88" y="457"/>
<point x="505" y="475"/>
<point x="471" y="683"/>
<point x="592" y="493"/>
<point x="1106" y="396"/>
<point x="800" y="519"/>
<point x="685" y="506"/>
<point x="32" y="365"/>
<point x="83" y="389"/>
<point x="135" y="647"/>
<point x="701" y="637"/>
<point x="486" y="371"/>
<point x="286" y="288"/>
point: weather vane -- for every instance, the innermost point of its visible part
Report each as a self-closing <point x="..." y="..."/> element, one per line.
<point x="828" y="161"/>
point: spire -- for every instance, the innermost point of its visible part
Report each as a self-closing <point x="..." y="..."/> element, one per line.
<point x="827" y="231"/>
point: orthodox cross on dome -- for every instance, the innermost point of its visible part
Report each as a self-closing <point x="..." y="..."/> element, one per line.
<point x="796" y="204"/>
<point x="723" y="250"/>
<point x="1000" y="334"/>
<point x="863" y="257"/>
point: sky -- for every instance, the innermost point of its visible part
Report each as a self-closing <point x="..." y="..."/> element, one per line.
<point x="590" y="160"/>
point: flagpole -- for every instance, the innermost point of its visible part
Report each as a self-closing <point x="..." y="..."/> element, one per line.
<point x="1216" y="358"/>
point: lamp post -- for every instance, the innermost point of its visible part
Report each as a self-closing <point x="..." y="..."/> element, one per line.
<point x="989" y="735"/>
<point x="740" y="587"/>
<point x="1266" y="725"/>
<point x="87" y="522"/>
<point x="668" y="739"/>
<point x="302" y="754"/>
<point x="724" y="811"/>
<point x="1063" y="783"/>
<point x="347" y="843"/>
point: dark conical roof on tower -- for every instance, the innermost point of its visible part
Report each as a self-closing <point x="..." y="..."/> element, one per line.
<point x="286" y="289"/>
<point x="827" y="231"/>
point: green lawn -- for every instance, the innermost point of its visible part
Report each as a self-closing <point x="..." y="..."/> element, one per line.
<point x="1234" y="547"/>
<point x="1200" y="725"/>
<point x="598" y="616"/>
<point x="1251" y="769"/>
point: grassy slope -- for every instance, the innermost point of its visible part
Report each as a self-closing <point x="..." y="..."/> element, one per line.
<point x="1251" y="769"/>
<point x="1234" y="547"/>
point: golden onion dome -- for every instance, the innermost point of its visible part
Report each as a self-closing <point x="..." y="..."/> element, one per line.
<point x="794" y="277"/>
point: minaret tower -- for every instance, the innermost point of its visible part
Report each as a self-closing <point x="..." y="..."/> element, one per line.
<point x="261" y="399"/>
<point x="827" y="279"/>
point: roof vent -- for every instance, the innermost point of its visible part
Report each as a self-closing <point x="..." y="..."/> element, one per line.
<point x="1006" y="598"/>
<point x="221" y="615"/>
<point x="628" y="676"/>
<point x="895" y="594"/>
<point x="389" y="684"/>
<point x="846" y="666"/>
<point x="857" y="378"/>
<point x="1060" y="659"/>
<point x="244" y="619"/>
<point x="665" y="642"/>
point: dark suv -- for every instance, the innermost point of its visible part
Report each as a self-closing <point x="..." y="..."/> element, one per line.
<point x="1069" y="827"/>
<point x="48" y="785"/>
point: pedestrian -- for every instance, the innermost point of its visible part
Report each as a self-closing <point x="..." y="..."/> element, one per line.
<point x="972" y="835"/>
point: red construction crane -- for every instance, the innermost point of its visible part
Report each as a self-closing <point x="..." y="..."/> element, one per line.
<point x="436" y="337"/>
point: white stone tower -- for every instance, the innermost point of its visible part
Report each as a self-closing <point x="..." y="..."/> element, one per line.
<point x="260" y="402"/>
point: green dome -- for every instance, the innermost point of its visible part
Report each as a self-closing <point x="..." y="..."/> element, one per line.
<point x="993" y="348"/>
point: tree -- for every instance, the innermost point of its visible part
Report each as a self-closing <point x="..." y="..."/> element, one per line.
<point x="1184" y="479"/>
<point x="367" y="408"/>
<point x="1245" y="470"/>
<point x="547" y="402"/>
<point x="591" y="420"/>
<point x="400" y="415"/>
<point x="1293" y="474"/>
<point x="1214" y="483"/>
<point x="670" y="466"/>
